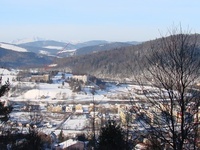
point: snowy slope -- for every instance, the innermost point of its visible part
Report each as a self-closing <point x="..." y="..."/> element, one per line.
<point x="12" y="47"/>
<point x="54" y="47"/>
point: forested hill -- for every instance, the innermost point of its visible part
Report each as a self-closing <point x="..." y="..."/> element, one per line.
<point x="100" y="47"/>
<point x="15" y="59"/>
<point x="109" y="64"/>
<point x="117" y="63"/>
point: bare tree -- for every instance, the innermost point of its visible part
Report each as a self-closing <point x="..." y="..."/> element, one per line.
<point x="172" y="71"/>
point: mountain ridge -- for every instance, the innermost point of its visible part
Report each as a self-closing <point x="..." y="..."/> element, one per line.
<point x="52" y="47"/>
<point x="15" y="59"/>
<point x="49" y="49"/>
<point x="119" y="63"/>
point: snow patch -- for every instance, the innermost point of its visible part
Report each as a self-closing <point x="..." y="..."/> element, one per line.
<point x="53" y="47"/>
<point x="44" y="52"/>
<point x="52" y="65"/>
<point x="12" y="47"/>
<point x="67" y="51"/>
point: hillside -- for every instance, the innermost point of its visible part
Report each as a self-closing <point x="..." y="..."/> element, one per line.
<point x="117" y="63"/>
<point x="10" y="58"/>
<point x="105" y="64"/>
<point x="41" y="52"/>
<point x="101" y="58"/>
<point x="52" y="48"/>
<point x="100" y="47"/>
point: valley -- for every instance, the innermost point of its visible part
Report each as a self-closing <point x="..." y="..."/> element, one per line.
<point x="52" y="107"/>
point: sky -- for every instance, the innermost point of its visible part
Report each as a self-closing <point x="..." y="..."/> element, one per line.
<point x="84" y="20"/>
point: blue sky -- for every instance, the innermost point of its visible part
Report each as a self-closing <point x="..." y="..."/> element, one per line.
<point x="83" y="20"/>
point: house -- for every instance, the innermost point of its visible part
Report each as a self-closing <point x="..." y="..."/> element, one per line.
<point x="40" y="78"/>
<point x="69" y="108"/>
<point x="79" y="108"/>
<point x="71" y="145"/>
<point x="83" y="78"/>
<point x="141" y="146"/>
<point x="57" y="108"/>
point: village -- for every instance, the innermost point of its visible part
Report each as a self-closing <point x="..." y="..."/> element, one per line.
<point x="58" y="102"/>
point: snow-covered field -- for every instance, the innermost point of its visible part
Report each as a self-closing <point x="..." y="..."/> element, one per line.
<point x="44" y="92"/>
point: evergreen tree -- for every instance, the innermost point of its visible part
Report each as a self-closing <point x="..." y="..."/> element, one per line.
<point x="31" y="141"/>
<point x="111" y="137"/>
<point x="4" y="113"/>
<point x="4" y="110"/>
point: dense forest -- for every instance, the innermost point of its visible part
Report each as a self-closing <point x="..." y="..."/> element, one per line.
<point x="117" y="63"/>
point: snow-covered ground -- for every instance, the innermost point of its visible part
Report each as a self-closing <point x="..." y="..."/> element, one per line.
<point x="12" y="47"/>
<point x="76" y="123"/>
<point x="44" y="93"/>
<point x="56" y="91"/>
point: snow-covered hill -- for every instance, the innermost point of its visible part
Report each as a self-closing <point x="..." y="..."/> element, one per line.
<point x="12" y="47"/>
